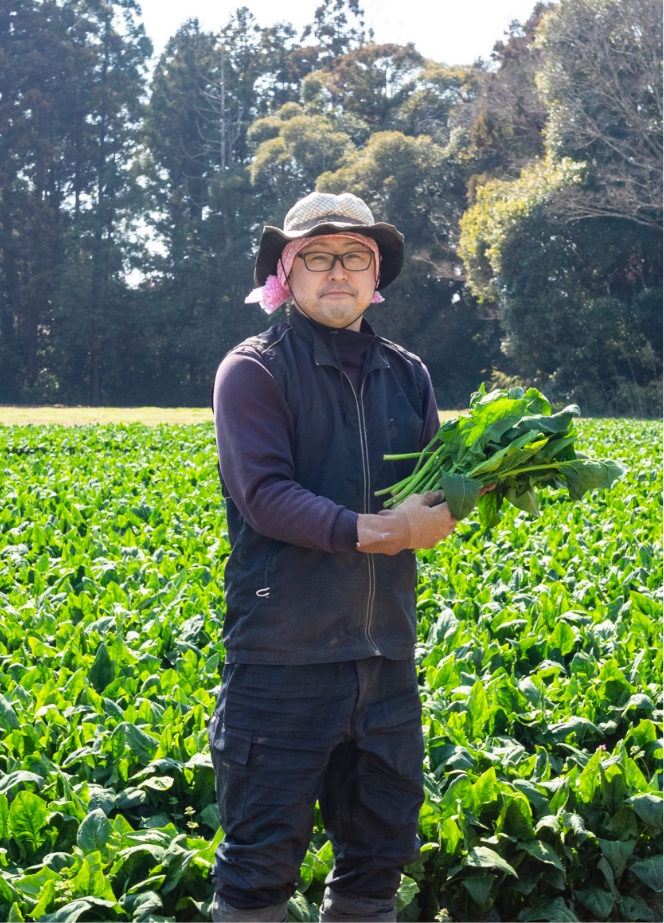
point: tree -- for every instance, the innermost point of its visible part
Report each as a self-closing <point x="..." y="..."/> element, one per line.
<point x="601" y="78"/>
<point x="435" y="100"/>
<point x="552" y="248"/>
<point x="399" y="177"/>
<point x="371" y="82"/>
<point x="36" y="87"/>
<point x="338" y="28"/>
<point x="204" y="99"/>
<point x="71" y="89"/>
<point x="300" y="149"/>
<point x="580" y="302"/>
<point x="100" y="241"/>
<point x="489" y="226"/>
<point x="508" y="128"/>
<point x="579" y="319"/>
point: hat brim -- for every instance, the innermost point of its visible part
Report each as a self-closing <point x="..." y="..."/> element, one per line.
<point x="389" y="240"/>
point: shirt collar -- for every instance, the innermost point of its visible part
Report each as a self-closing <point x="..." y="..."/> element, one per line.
<point x="320" y="337"/>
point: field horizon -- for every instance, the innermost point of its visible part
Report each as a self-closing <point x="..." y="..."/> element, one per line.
<point x="79" y="415"/>
<point x="60" y="415"/>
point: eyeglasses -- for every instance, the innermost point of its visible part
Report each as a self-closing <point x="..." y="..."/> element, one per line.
<point x="324" y="262"/>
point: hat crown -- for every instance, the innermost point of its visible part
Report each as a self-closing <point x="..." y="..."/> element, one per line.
<point x="324" y="208"/>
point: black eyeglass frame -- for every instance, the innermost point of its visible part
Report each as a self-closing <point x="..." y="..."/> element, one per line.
<point x="339" y="257"/>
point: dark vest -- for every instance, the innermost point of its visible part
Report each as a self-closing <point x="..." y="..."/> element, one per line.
<point x="289" y="605"/>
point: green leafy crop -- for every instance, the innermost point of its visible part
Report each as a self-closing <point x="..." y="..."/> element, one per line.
<point x="539" y="661"/>
<point x="509" y="439"/>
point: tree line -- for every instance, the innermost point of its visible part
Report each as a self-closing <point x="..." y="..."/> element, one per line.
<point x="132" y="196"/>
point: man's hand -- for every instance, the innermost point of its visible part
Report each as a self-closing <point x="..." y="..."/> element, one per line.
<point x="421" y="521"/>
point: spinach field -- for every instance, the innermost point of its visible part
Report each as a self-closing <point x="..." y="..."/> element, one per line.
<point x="540" y="666"/>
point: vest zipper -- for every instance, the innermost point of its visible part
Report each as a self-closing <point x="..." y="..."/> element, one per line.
<point x="366" y="474"/>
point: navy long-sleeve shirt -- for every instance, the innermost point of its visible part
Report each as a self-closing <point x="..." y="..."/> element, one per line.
<point x="254" y="431"/>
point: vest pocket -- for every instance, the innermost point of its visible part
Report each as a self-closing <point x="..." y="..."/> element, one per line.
<point x="264" y="591"/>
<point x="247" y="572"/>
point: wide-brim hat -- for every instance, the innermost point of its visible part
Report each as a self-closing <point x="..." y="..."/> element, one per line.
<point x="323" y="213"/>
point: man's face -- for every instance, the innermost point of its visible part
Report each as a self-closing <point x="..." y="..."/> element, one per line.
<point x="334" y="297"/>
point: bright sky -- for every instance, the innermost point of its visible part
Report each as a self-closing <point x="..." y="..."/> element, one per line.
<point x="451" y="31"/>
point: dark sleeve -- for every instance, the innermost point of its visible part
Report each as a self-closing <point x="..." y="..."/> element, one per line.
<point x="254" y="430"/>
<point x="431" y="423"/>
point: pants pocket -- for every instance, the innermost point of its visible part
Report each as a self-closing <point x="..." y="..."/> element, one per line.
<point x="229" y="749"/>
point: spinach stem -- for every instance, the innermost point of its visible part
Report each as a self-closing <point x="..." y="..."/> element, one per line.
<point x="509" y="472"/>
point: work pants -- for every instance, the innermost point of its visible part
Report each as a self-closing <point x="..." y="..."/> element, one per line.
<point x="345" y="734"/>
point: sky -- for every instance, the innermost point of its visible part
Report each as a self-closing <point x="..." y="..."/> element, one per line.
<point x="449" y="31"/>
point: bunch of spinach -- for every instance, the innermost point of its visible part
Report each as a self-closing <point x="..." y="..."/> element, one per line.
<point x="511" y="439"/>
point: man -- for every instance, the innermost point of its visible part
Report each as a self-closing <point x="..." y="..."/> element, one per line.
<point x="319" y="698"/>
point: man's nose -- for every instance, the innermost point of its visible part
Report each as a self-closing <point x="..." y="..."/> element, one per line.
<point x="337" y="271"/>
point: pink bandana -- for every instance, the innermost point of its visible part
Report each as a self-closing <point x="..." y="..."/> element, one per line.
<point x="276" y="289"/>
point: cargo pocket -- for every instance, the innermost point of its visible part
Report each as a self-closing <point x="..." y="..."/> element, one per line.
<point x="229" y="748"/>
<point x="393" y="732"/>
